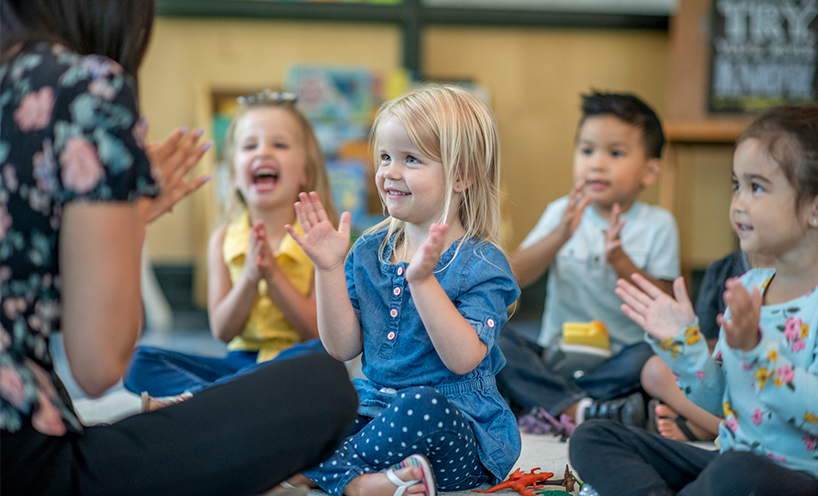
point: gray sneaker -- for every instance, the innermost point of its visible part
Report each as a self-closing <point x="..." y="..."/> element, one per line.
<point x="628" y="410"/>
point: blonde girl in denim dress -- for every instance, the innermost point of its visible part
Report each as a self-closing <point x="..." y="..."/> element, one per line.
<point x="422" y="297"/>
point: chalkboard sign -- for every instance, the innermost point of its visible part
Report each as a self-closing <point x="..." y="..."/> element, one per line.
<point x="765" y="52"/>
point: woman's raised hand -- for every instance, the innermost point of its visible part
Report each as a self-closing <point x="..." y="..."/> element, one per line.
<point x="326" y="246"/>
<point x="658" y="313"/>
<point x="427" y="255"/>
<point x="171" y="160"/>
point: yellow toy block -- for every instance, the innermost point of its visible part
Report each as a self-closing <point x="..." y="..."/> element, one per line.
<point x="592" y="333"/>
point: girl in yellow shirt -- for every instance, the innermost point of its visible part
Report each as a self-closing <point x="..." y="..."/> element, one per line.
<point x="260" y="283"/>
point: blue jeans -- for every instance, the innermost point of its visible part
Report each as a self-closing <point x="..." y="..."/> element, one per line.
<point x="419" y="420"/>
<point x="527" y="380"/>
<point x="164" y="372"/>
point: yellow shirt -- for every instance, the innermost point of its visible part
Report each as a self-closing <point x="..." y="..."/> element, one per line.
<point x="266" y="329"/>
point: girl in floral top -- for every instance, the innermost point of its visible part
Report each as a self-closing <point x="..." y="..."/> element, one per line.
<point x="763" y="375"/>
<point x="77" y="189"/>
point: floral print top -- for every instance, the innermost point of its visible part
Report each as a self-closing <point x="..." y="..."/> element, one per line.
<point x="769" y="395"/>
<point x="69" y="131"/>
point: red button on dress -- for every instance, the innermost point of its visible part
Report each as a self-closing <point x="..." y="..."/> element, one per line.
<point x="396" y="291"/>
<point x="490" y="322"/>
<point x="390" y="336"/>
<point x="393" y="313"/>
<point x="400" y="271"/>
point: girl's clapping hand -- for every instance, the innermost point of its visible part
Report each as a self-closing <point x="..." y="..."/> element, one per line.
<point x="741" y="331"/>
<point x="262" y="253"/>
<point x="658" y="313"/>
<point x="427" y="255"/>
<point x="326" y="246"/>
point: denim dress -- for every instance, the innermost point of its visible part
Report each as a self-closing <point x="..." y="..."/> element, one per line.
<point x="399" y="354"/>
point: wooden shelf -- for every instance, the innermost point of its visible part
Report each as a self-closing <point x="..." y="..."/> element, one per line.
<point x="710" y="131"/>
<point x="411" y="15"/>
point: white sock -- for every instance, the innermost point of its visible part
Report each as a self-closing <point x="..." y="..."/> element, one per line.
<point x="579" y="416"/>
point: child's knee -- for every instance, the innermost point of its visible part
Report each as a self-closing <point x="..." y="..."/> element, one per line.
<point x="586" y="439"/>
<point x="654" y="376"/>
<point x="723" y="476"/>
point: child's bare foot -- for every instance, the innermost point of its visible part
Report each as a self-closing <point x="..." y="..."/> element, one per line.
<point x="378" y="483"/>
<point x="667" y="423"/>
<point x="297" y="485"/>
<point x="301" y="480"/>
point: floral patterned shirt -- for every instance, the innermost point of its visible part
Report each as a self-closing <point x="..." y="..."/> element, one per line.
<point x="768" y="395"/>
<point x="69" y="131"/>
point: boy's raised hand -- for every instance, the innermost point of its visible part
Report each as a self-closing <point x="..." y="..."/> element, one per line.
<point x="741" y="331"/>
<point x="325" y="246"/>
<point x="427" y="255"/>
<point x="577" y="201"/>
<point x="658" y="313"/>
<point x="613" y="244"/>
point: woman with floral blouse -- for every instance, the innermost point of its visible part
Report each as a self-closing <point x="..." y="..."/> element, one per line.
<point x="77" y="188"/>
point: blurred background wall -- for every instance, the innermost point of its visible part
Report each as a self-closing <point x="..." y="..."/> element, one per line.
<point x="533" y="76"/>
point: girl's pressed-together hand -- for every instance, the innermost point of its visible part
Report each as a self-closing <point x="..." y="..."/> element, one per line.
<point x="741" y="331"/>
<point x="326" y="246"/>
<point x="427" y="255"/>
<point x="251" y="268"/>
<point x="658" y="313"/>
<point x="264" y="261"/>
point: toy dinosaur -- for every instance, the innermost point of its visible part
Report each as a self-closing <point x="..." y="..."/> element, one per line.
<point x="568" y="482"/>
<point x="519" y="481"/>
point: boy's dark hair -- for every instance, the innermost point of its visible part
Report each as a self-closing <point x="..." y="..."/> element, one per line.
<point x="630" y="109"/>
<point x="790" y="135"/>
<point x="117" y="29"/>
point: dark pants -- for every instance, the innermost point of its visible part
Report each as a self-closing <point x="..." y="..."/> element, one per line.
<point x="238" y="438"/>
<point x="528" y="381"/>
<point x="163" y="372"/>
<point x="617" y="459"/>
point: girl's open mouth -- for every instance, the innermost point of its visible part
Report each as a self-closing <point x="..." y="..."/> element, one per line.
<point x="265" y="179"/>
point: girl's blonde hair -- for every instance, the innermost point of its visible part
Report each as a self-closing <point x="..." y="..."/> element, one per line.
<point x="451" y="126"/>
<point x="315" y="169"/>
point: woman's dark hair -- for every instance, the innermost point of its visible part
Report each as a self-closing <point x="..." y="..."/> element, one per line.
<point x="117" y="29"/>
<point x="789" y="133"/>
<point x="630" y="109"/>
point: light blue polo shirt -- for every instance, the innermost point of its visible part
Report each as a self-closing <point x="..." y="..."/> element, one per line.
<point x="580" y="286"/>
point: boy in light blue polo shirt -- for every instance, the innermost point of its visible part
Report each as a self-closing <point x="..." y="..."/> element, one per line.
<point x="586" y="240"/>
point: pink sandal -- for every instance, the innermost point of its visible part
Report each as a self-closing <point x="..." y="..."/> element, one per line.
<point x="150" y="403"/>
<point x="416" y="460"/>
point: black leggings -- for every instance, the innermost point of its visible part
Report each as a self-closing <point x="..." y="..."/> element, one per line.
<point x="616" y="459"/>
<point x="239" y="438"/>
